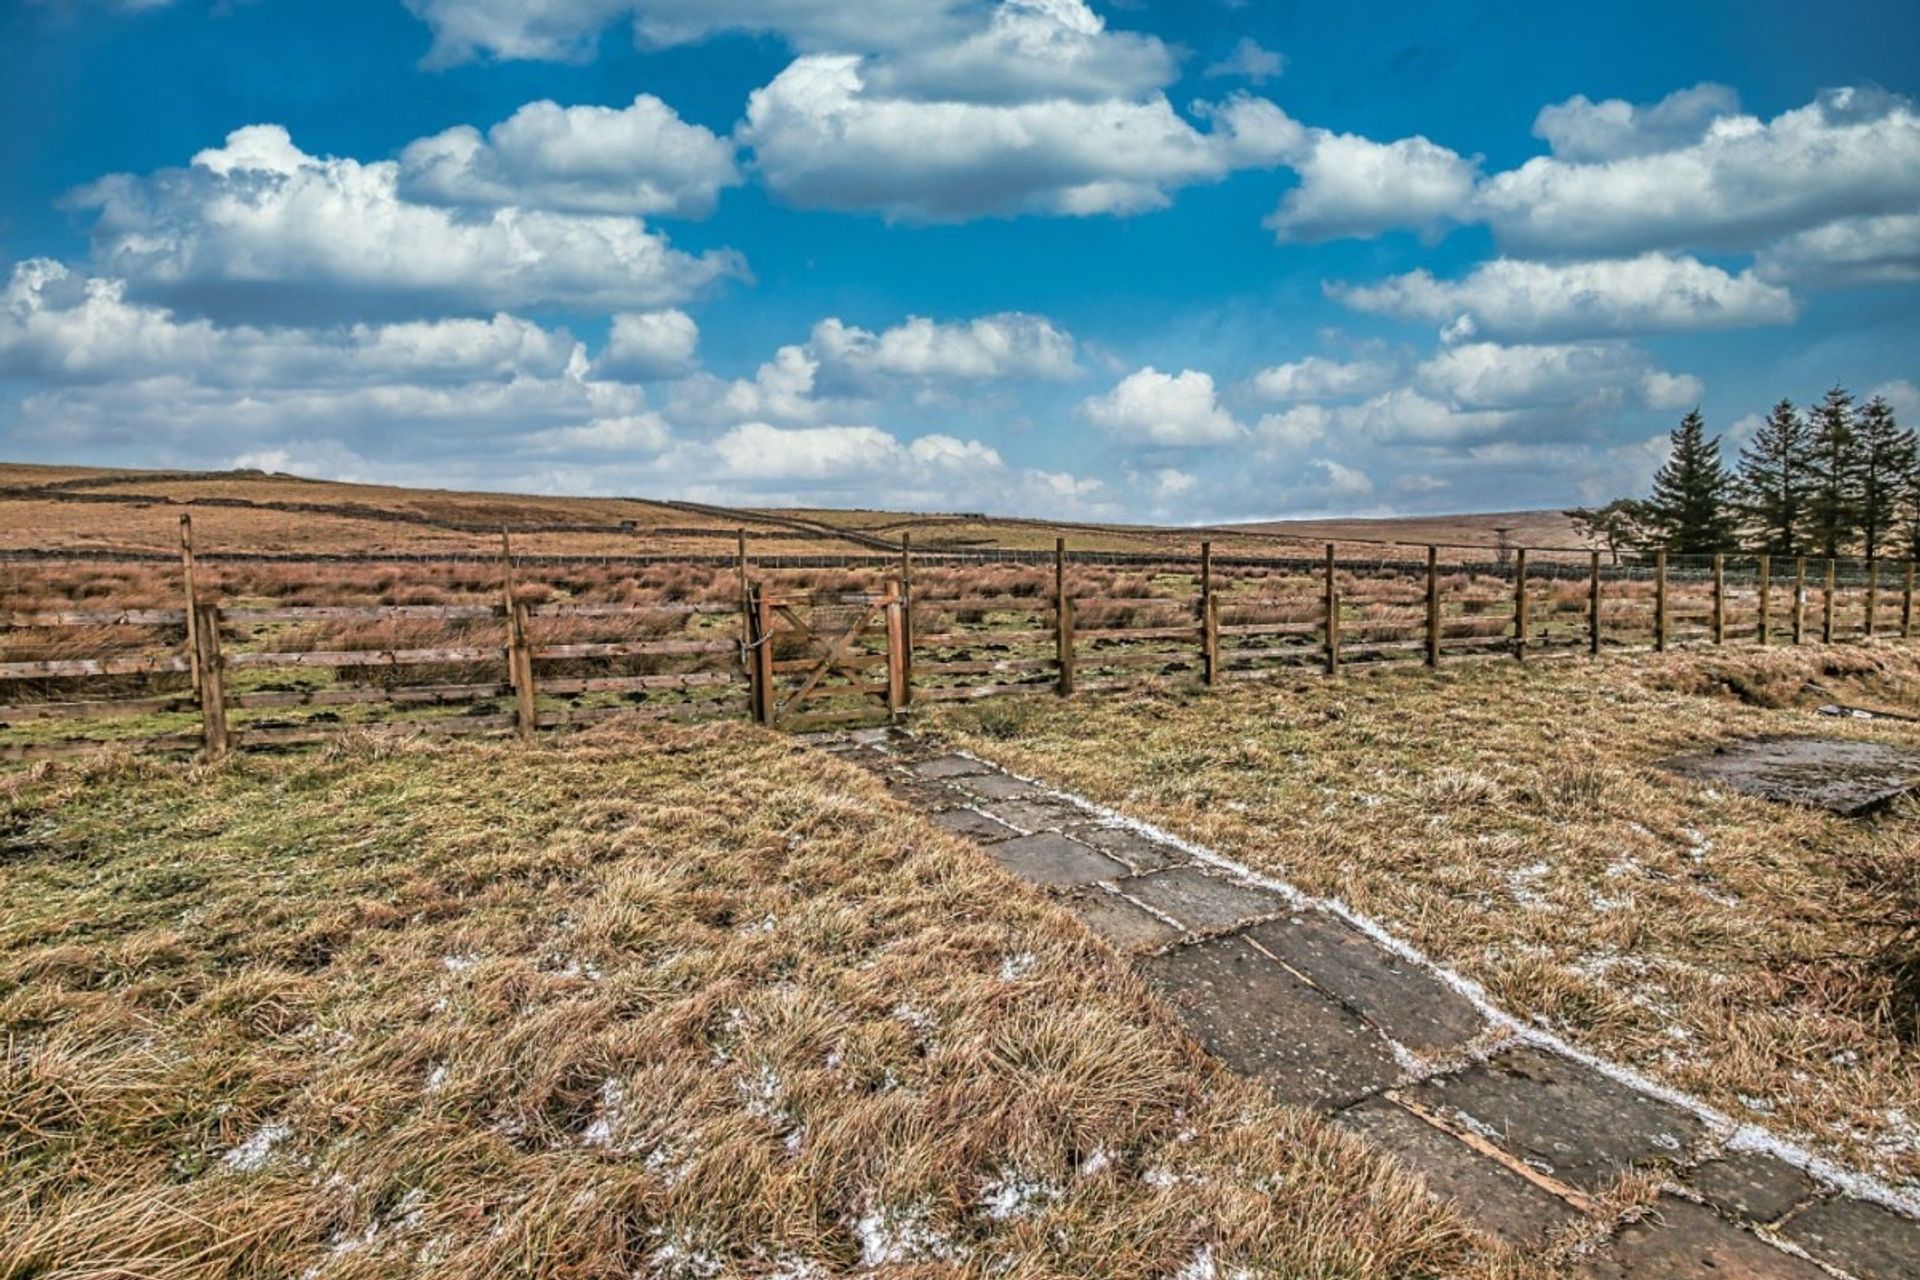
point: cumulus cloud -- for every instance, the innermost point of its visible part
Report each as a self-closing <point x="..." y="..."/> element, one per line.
<point x="989" y="348"/>
<point x="649" y="344"/>
<point x="1507" y="297"/>
<point x="1850" y="153"/>
<point x="1297" y="428"/>
<point x="1045" y="111"/>
<point x="1167" y="410"/>
<point x="1487" y="375"/>
<point x="564" y="30"/>
<point x="1248" y="61"/>
<point x="1354" y="186"/>
<point x="1318" y="378"/>
<point x="59" y="326"/>
<point x="1581" y="129"/>
<point x="639" y="159"/>
<point x="1876" y="250"/>
<point x="259" y="227"/>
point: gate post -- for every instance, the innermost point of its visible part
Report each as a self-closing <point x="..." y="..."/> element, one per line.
<point x="1873" y="594"/>
<point x="762" y="652"/>
<point x="213" y="693"/>
<point x="1433" y="606"/>
<point x="520" y="663"/>
<point x="193" y="597"/>
<point x="1719" y="598"/>
<point x="899" y="691"/>
<point x="1826" y="606"/>
<point x="1799" y="599"/>
<point x="1209" y="619"/>
<point x="1660" y="600"/>
<point x="1765" y="630"/>
<point x="906" y="620"/>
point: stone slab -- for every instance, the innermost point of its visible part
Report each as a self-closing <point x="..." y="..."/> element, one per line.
<point x="1402" y="999"/>
<point x="999" y="786"/>
<point x="1751" y="1186"/>
<point x="1565" y="1119"/>
<point x="975" y="826"/>
<point x="1051" y="859"/>
<point x="1265" y="1023"/>
<point x="1845" y="776"/>
<point x="1859" y="1237"/>
<point x="1486" y="1192"/>
<point x="1132" y="848"/>
<point x="921" y="793"/>
<point x="1201" y="901"/>
<point x="1682" y="1239"/>
<point x="1032" y="815"/>
<point x="950" y="766"/>
<point x="1120" y="922"/>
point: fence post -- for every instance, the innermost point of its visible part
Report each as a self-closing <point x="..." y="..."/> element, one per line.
<point x="1333" y="615"/>
<point x="213" y="694"/>
<point x="1826" y="609"/>
<point x="520" y="656"/>
<point x="761" y="646"/>
<point x="1433" y="606"/>
<point x="1765" y="622"/>
<point x="896" y="649"/>
<point x="1593" y="603"/>
<point x="1906" y="606"/>
<point x="1209" y="619"/>
<point x="906" y="620"/>
<point x="1873" y="594"/>
<point x="1719" y="598"/>
<point x="193" y="596"/>
<point x="1063" y="618"/>
<point x="1660" y="600"/>
<point x="1799" y="598"/>
<point x="1520" y="604"/>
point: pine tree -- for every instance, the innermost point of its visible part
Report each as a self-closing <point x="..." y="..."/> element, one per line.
<point x="1772" y="488"/>
<point x="1833" y="505"/>
<point x="1689" y="508"/>
<point x="1910" y="515"/>
<point x="1886" y="471"/>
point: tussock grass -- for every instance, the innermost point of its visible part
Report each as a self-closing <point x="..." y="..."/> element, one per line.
<point x="695" y="1003"/>
<point x="1509" y="821"/>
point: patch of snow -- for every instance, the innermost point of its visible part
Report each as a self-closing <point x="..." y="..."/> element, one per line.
<point x="437" y="1078"/>
<point x="897" y="1235"/>
<point x="1013" y="968"/>
<point x="254" y="1153"/>
<point x="760" y="1092"/>
<point x="681" y="1257"/>
<point x="1097" y="1162"/>
<point x="606" y="1117"/>
<point x="919" y="1021"/>
<point x="459" y="963"/>
<point x="1014" y="1195"/>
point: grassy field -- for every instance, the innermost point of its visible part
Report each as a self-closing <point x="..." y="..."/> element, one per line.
<point x="692" y="1003"/>
<point x="1510" y="822"/>
<point x="97" y="509"/>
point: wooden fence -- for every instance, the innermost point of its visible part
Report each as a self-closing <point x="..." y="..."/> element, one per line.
<point x="224" y="674"/>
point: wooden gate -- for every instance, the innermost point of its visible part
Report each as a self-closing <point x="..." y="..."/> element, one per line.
<point x="829" y="658"/>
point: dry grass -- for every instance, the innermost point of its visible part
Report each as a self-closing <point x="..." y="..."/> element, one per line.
<point x="1510" y="822"/>
<point x="690" y="1004"/>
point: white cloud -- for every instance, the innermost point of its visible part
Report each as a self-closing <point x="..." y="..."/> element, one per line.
<point x="259" y="227"/>
<point x="1354" y="186"/>
<point x="1249" y="61"/>
<point x="1318" y="378"/>
<point x="568" y="29"/>
<point x="1487" y="375"/>
<point x="1876" y="250"/>
<point x="631" y="433"/>
<point x="1168" y="410"/>
<point x="649" y="344"/>
<point x="1009" y="345"/>
<point x="1580" y="129"/>
<point x="1294" y="429"/>
<point x="639" y="159"/>
<point x="1045" y="111"/>
<point x="1029" y="50"/>
<point x="1849" y="153"/>
<point x="58" y="326"/>
<point x="1506" y="297"/>
<point x="1344" y="481"/>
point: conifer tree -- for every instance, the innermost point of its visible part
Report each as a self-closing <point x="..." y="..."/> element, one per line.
<point x="1833" y="505"/>
<point x="1886" y="472"/>
<point x="1689" y="507"/>
<point x="1772" y="487"/>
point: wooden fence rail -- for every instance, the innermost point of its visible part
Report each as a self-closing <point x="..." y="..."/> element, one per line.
<point x="810" y="659"/>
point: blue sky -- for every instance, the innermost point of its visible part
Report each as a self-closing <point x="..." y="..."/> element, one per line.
<point x="1175" y="261"/>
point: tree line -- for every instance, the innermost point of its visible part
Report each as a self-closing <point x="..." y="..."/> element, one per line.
<point x="1838" y="479"/>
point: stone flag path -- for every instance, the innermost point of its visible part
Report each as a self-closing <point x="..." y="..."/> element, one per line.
<point x="1521" y="1138"/>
